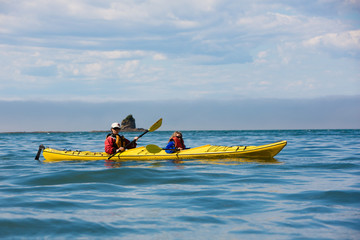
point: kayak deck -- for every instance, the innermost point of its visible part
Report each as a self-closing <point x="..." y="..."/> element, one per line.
<point x="140" y="153"/>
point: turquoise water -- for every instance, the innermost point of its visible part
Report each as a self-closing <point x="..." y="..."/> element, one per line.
<point x="311" y="190"/>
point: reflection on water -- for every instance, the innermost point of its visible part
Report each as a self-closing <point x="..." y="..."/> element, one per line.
<point x="182" y="162"/>
<point x="112" y="164"/>
<point x="239" y="161"/>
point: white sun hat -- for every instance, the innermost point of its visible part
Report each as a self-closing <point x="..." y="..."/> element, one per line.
<point x="115" y="125"/>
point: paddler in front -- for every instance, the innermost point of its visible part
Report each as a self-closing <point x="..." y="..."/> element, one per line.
<point x="115" y="142"/>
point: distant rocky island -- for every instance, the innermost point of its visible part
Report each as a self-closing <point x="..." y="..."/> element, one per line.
<point x="128" y="125"/>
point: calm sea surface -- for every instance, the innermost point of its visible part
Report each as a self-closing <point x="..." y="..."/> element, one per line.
<point x="311" y="190"/>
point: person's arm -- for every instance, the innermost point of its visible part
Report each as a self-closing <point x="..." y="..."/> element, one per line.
<point x="132" y="145"/>
<point x="170" y="147"/>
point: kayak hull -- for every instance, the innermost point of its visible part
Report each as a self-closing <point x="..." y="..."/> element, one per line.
<point x="140" y="153"/>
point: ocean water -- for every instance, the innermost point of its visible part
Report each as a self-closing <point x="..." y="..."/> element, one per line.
<point x="310" y="191"/>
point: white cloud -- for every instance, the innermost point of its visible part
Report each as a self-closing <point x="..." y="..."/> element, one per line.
<point x="130" y="66"/>
<point x="159" y="57"/>
<point x="349" y="40"/>
<point x="261" y="57"/>
<point x="116" y="54"/>
<point x="270" y="20"/>
<point x="209" y="45"/>
<point x="153" y="12"/>
<point x="92" y="69"/>
<point x="42" y="62"/>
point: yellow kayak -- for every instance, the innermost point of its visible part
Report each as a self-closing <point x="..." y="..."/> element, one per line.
<point x="141" y="153"/>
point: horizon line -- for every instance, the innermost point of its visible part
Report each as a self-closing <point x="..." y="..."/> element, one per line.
<point x="100" y="131"/>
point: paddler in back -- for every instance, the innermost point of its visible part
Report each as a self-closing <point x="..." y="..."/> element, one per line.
<point x="115" y="142"/>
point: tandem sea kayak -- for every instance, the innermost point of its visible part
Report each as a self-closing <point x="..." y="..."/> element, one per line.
<point x="267" y="151"/>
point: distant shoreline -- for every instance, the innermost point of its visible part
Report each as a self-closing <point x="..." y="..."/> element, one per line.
<point x="92" y="131"/>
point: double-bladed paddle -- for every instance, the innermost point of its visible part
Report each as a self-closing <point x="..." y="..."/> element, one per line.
<point x="151" y="129"/>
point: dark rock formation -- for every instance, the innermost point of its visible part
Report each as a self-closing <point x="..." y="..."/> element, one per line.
<point x="129" y="125"/>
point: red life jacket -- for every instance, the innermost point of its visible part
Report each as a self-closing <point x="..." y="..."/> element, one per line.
<point x="179" y="142"/>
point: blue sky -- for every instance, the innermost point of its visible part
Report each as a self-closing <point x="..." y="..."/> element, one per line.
<point x="122" y="53"/>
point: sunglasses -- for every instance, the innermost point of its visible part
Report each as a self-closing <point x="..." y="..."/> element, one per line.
<point x="179" y="136"/>
<point x="116" y="128"/>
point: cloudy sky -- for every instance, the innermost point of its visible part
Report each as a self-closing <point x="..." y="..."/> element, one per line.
<point x="159" y="58"/>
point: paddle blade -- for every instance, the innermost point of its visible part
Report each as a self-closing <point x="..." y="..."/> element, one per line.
<point x="155" y="125"/>
<point x="151" y="148"/>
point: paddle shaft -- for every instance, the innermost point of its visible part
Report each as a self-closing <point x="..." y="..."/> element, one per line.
<point x="137" y="138"/>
